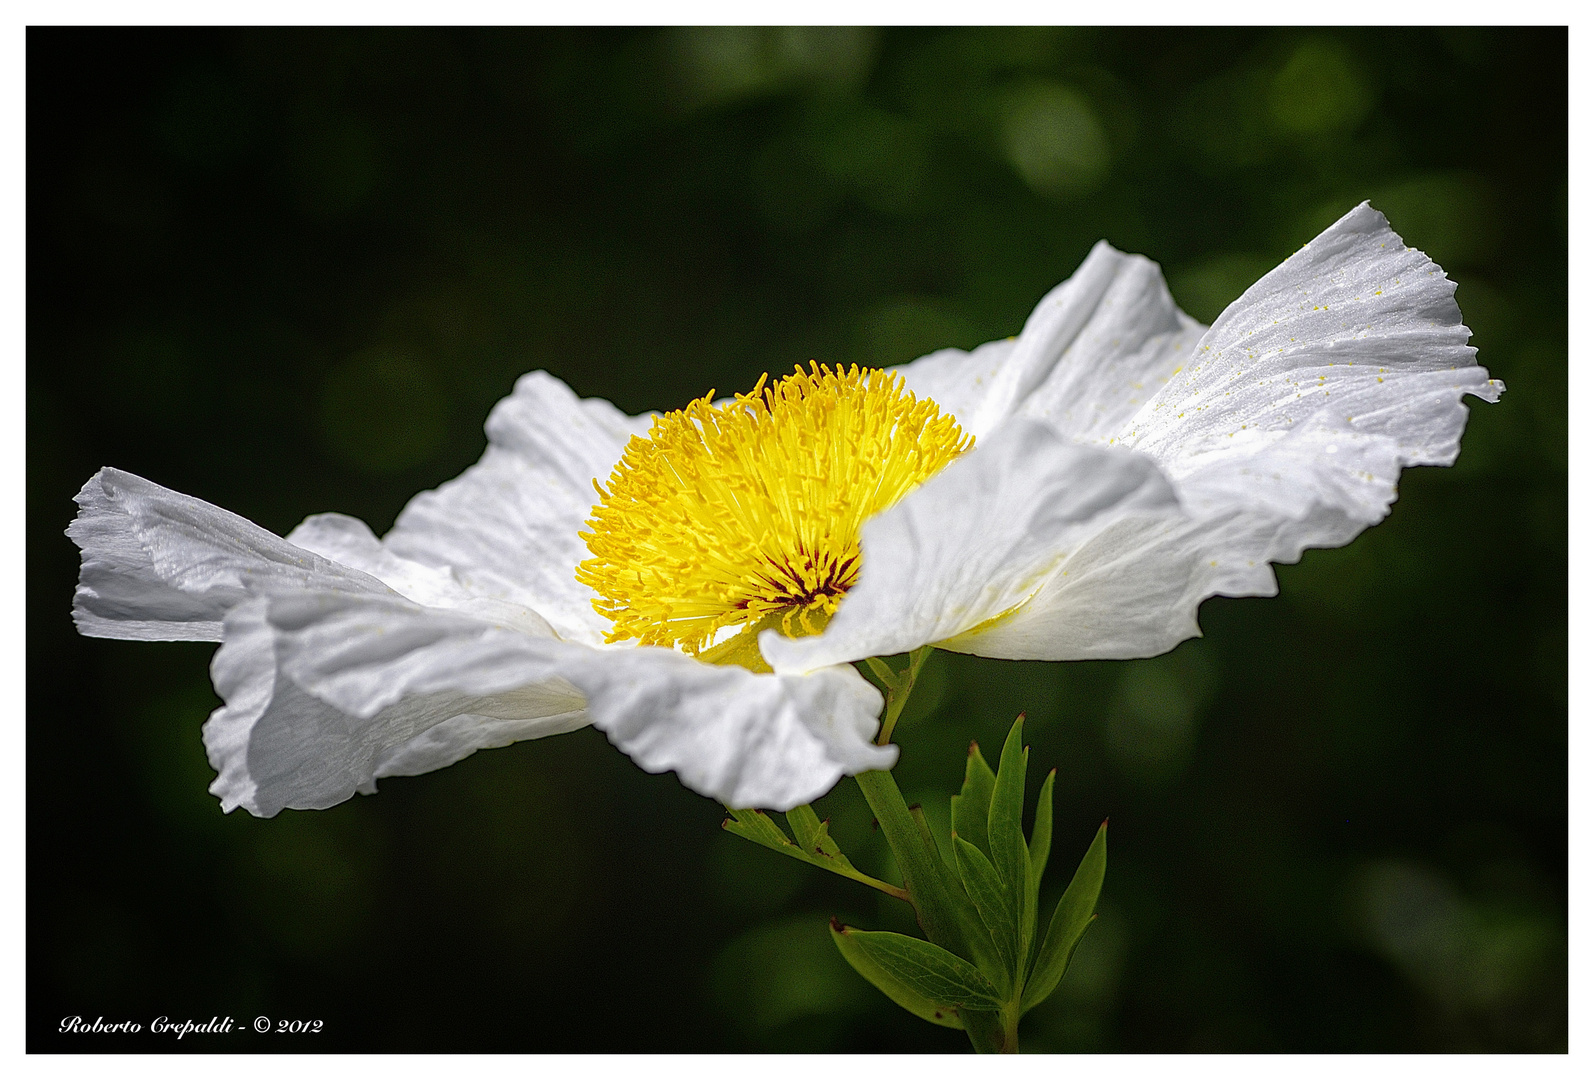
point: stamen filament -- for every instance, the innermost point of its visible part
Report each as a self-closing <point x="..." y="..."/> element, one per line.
<point x="750" y="511"/>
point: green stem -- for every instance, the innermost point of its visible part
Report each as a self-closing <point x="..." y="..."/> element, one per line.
<point x="928" y="885"/>
<point x="990" y="1032"/>
<point x="875" y="883"/>
<point x="921" y="872"/>
<point x="898" y="687"/>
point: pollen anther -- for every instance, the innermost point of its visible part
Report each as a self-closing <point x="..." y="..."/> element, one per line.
<point x="749" y="512"/>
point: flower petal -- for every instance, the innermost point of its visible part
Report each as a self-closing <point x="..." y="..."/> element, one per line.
<point x="1092" y="353"/>
<point x="349" y="541"/>
<point x="363" y="654"/>
<point x="1134" y="339"/>
<point x="162" y="566"/>
<point x="1287" y="429"/>
<point x="746" y="739"/>
<point x="326" y="692"/>
<point x="1355" y="333"/>
<point x="508" y="527"/>
<point x="955" y="380"/>
<point x="1131" y="590"/>
<point x="1310" y="393"/>
<point x="976" y="541"/>
<point x="1088" y="345"/>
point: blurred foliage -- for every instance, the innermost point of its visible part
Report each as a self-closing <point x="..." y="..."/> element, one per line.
<point x="290" y="271"/>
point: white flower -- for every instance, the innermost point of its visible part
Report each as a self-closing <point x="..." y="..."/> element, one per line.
<point x="1127" y="463"/>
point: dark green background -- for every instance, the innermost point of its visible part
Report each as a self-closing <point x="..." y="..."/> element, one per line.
<point x="290" y="272"/>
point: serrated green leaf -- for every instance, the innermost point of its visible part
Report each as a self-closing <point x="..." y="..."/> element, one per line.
<point x="971" y="807"/>
<point x="1009" y="853"/>
<point x="1073" y="916"/>
<point x="992" y="901"/>
<point x="908" y="969"/>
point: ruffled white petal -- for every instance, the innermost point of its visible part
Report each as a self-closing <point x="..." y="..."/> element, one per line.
<point x="958" y="381"/>
<point x="976" y="541"/>
<point x="509" y="526"/>
<point x="328" y="692"/>
<point x="279" y="743"/>
<point x="1313" y="390"/>
<point x="1354" y="333"/>
<point x="1092" y="353"/>
<point x="1287" y="429"/>
<point x="1123" y="354"/>
<point x="770" y="741"/>
<point x="162" y="566"/>
<point x="1131" y="590"/>
<point x="362" y="654"/>
<point x="743" y="738"/>
<point x="350" y="541"/>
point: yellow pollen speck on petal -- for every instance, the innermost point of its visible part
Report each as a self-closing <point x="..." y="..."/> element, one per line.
<point x="747" y="514"/>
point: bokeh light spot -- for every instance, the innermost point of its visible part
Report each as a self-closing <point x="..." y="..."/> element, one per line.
<point x="1205" y="289"/>
<point x="721" y="64"/>
<point x="1448" y="215"/>
<point x="1461" y="953"/>
<point x="1052" y="137"/>
<point x="1319" y="90"/>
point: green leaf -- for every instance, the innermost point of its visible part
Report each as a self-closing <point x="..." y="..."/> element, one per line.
<point x="1040" y="849"/>
<point x="1006" y="820"/>
<point x="945" y="913"/>
<point x="923" y="978"/>
<point x="824" y="846"/>
<point x="1073" y="916"/>
<point x="928" y="836"/>
<point x="814" y="845"/>
<point x="903" y="993"/>
<point x="1040" y="837"/>
<point x="755" y="825"/>
<point x="972" y="806"/>
<point x="991" y="899"/>
<point x="804" y="826"/>
<point x="1009" y="853"/>
<point x="883" y="672"/>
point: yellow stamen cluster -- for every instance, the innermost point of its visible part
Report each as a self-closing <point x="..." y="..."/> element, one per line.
<point x="747" y="513"/>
